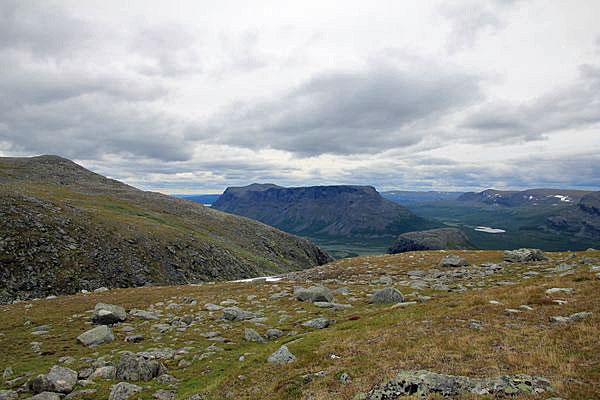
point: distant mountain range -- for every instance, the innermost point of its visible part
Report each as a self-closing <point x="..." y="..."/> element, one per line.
<point x="407" y="197"/>
<point x="322" y="211"/>
<point x="206" y="199"/>
<point x="530" y="197"/>
<point x="64" y="228"/>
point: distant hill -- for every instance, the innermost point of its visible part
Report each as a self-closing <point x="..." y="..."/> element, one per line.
<point x="412" y="197"/>
<point x="532" y="197"/>
<point x="206" y="199"/>
<point x="322" y="211"/>
<point x="64" y="228"/>
<point x="582" y="221"/>
<point x="433" y="239"/>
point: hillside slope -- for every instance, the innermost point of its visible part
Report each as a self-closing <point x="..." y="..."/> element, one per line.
<point x="322" y="211"/>
<point x="64" y="228"/>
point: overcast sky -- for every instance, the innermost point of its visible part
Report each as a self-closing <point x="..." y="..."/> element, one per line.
<point x="195" y="96"/>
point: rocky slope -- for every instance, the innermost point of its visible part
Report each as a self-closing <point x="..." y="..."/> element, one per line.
<point x="367" y="328"/>
<point x="582" y="221"/>
<point x="64" y="228"/>
<point x="432" y="239"/>
<point x="322" y="211"/>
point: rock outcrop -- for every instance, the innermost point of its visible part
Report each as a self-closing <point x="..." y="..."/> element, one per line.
<point x="432" y="239"/>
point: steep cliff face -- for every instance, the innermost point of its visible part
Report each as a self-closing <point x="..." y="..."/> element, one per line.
<point x="433" y="239"/>
<point x="328" y="211"/>
<point x="64" y="228"/>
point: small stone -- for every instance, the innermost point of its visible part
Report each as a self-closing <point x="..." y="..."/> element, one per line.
<point x="7" y="374"/>
<point x="123" y="391"/>
<point x="526" y="307"/>
<point x="314" y="293"/>
<point x="318" y="323"/>
<point x="345" y="378"/>
<point x="107" y="373"/>
<point x="134" y="338"/>
<point x="164" y="394"/>
<point x="282" y="356"/>
<point x="512" y="311"/>
<point x="560" y="290"/>
<point x="101" y="289"/>
<point x="80" y="393"/>
<point x="387" y="295"/>
<point x="8" y="395"/>
<point x="237" y="314"/>
<point x="250" y="335"/>
<point x="212" y="307"/>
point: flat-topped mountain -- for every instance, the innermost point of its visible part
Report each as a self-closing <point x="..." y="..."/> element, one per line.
<point x="64" y="228"/>
<point x="322" y="211"/>
<point x="533" y="197"/>
<point x="432" y="239"/>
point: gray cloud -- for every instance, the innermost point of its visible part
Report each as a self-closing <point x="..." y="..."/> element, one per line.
<point x="574" y="106"/>
<point x="347" y="112"/>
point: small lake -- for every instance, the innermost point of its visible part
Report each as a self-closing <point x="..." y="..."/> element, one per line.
<point x="487" y="229"/>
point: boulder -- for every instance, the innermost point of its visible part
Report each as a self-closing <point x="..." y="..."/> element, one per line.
<point x="317" y="323"/>
<point x="237" y="314"/>
<point x="58" y="380"/>
<point x="387" y="295"/>
<point x="46" y="396"/>
<point x="8" y="395"/>
<point x="314" y="293"/>
<point x="164" y="394"/>
<point x="524" y="255"/>
<point x="84" y="393"/>
<point x="99" y="335"/>
<point x="282" y="356"/>
<point x="107" y="373"/>
<point x="424" y="383"/>
<point x="273" y="334"/>
<point x="572" y="318"/>
<point x="123" y="391"/>
<point x="453" y="261"/>
<point x="108" y="314"/>
<point x="133" y="368"/>
<point x="250" y="335"/>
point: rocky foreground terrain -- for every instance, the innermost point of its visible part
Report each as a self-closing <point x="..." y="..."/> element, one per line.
<point x="64" y="228"/>
<point x="461" y="324"/>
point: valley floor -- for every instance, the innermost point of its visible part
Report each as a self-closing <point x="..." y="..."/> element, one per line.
<point x="488" y="319"/>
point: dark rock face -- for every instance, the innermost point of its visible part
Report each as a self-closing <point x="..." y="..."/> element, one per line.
<point x="340" y="211"/>
<point x="433" y="239"/>
<point x="64" y="228"/>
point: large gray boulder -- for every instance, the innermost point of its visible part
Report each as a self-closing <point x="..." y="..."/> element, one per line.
<point x="453" y="261"/>
<point x="524" y="255"/>
<point x="282" y="356"/>
<point x="123" y="391"/>
<point x="314" y="293"/>
<point x="237" y="314"/>
<point x="108" y="314"/>
<point x="99" y="335"/>
<point x="572" y="318"/>
<point x="424" y="383"/>
<point x="58" y="380"/>
<point x="133" y="368"/>
<point x="388" y="295"/>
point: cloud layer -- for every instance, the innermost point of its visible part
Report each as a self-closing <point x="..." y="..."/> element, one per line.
<point x="435" y="96"/>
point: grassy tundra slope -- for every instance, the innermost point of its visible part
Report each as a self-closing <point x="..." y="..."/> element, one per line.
<point x="457" y="331"/>
<point x="64" y="228"/>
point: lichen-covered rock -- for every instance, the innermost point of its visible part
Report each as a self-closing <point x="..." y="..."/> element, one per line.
<point x="237" y="314"/>
<point x="58" y="380"/>
<point x="133" y="368"/>
<point x="387" y="295"/>
<point x="313" y="294"/>
<point x="453" y="261"/>
<point x="282" y="356"/>
<point x="524" y="255"/>
<point x="8" y="395"/>
<point x="250" y="335"/>
<point x="424" y="383"/>
<point x="108" y="314"/>
<point x="572" y="318"/>
<point x="317" y="323"/>
<point x="99" y="335"/>
<point x="123" y="391"/>
<point x="45" y="396"/>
